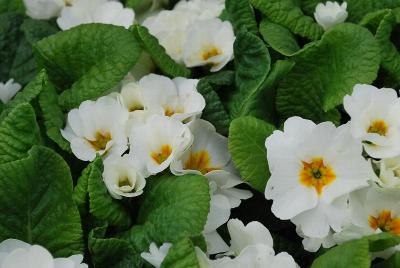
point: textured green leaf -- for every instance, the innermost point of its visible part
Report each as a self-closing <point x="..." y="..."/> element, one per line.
<point x="316" y="79"/>
<point x="222" y="78"/>
<point x="101" y="204"/>
<point x="87" y="61"/>
<point x="166" y="64"/>
<point x="111" y="252"/>
<point x="247" y="146"/>
<point x="287" y="13"/>
<point x="252" y="62"/>
<point x="392" y="262"/>
<point x="181" y="255"/>
<point x="172" y="208"/>
<point x="52" y="114"/>
<point x="36" y="205"/>
<point x="214" y="111"/>
<point x="18" y="133"/>
<point x="279" y="38"/>
<point x="382" y="241"/>
<point x="12" y="5"/>
<point x="241" y="14"/>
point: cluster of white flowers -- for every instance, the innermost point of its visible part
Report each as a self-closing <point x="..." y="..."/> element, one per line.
<point x="251" y="246"/>
<point x="17" y="254"/>
<point x="8" y="90"/>
<point x="71" y="13"/>
<point x="149" y="126"/>
<point x="193" y="34"/>
<point x="330" y="14"/>
<point x="322" y="181"/>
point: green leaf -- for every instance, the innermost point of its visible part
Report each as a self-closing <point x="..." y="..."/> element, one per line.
<point x="350" y="254"/>
<point x="101" y="204"/>
<point x="241" y="14"/>
<point x="52" y="114"/>
<point x="287" y="13"/>
<point x="36" y="205"/>
<point x="222" y="78"/>
<point x="382" y="241"/>
<point x="18" y="133"/>
<point x="247" y="146"/>
<point x="214" y="111"/>
<point x="87" y="61"/>
<point x="172" y="208"/>
<point x="111" y="252"/>
<point x="279" y="38"/>
<point x="166" y="64"/>
<point x="392" y="262"/>
<point x="12" y="5"/>
<point x="252" y="62"/>
<point x="315" y="79"/>
<point x="181" y="255"/>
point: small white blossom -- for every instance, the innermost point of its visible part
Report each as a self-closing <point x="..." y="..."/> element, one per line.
<point x="374" y="119"/>
<point x="203" y="9"/>
<point x="8" y="90"/>
<point x="209" y="42"/>
<point x="18" y="254"/>
<point x="314" y="244"/>
<point x="45" y="9"/>
<point x="158" y="141"/>
<point x="389" y="172"/>
<point x="123" y="176"/>
<point x="311" y="167"/>
<point x="95" y="11"/>
<point x="97" y="127"/>
<point x="330" y="14"/>
<point x="156" y="255"/>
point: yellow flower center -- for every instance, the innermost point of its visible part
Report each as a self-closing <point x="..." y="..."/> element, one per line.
<point x="379" y="127"/>
<point x="124" y="182"/>
<point x="385" y="222"/>
<point x="135" y="107"/>
<point x="162" y="155"/>
<point x="200" y="161"/>
<point x="316" y="174"/>
<point x="100" y="141"/>
<point x="168" y="111"/>
<point x="68" y="2"/>
<point x="210" y="52"/>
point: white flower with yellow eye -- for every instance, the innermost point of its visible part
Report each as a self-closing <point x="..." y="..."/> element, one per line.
<point x="131" y="96"/>
<point x="123" y="176"/>
<point x="203" y="9"/>
<point x="158" y="141"/>
<point x="374" y="119"/>
<point x="45" y="9"/>
<point x="97" y="127"/>
<point x="170" y="28"/>
<point x="18" y="254"/>
<point x="177" y="98"/>
<point x="209" y="42"/>
<point x="156" y="255"/>
<point x="95" y="11"/>
<point x="8" y="90"/>
<point x="330" y="14"/>
<point x="311" y="166"/>
<point x="389" y="172"/>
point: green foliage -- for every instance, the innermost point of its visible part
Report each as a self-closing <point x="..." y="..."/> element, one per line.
<point x="181" y="255"/>
<point x="247" y="146"/>
<point x="241" y="14"/>
<point x="36" y="205"/>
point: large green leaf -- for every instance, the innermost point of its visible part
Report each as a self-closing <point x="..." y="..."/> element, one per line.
<point x="166" y="64"/>
<point x="252" y="62"/>
<point x="247" y="146"/>
<point x="181" y="255"/>
<point x="18" y="133"/>
<point x="88" y="60"/>
<point x="392" y="262"/>
<point x="317" y="80"/>
<point x="287" y="13"/>
<point x="241" y="13"/>
<point x="36" y="204"/>
<point x="279" y="38"/>
<point x="172" y="208"/>
<point x="12" y="5"/>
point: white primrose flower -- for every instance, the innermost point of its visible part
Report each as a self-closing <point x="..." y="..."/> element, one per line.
<point x="45" y="9"/>
<point x="389" y="172"/>
<point x="123" y="176"/>
<point x="8" y="90"/>
<point x="95" y="11"/>
<point x="170" y="28"/>
<point x="209" y="42"/>
<point x="156" y="255"/>
<point x="314" y="244"/>
<point x="177" y="98"/>
<point x="158" y="140"/>
<point x="18" y="254"/>
<point x="203" y="9"/>
<point x="330" y="14"/>
<point x="311" y="166"/>
<point x="97" y="127"/>
<point x="374" y="119"/>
